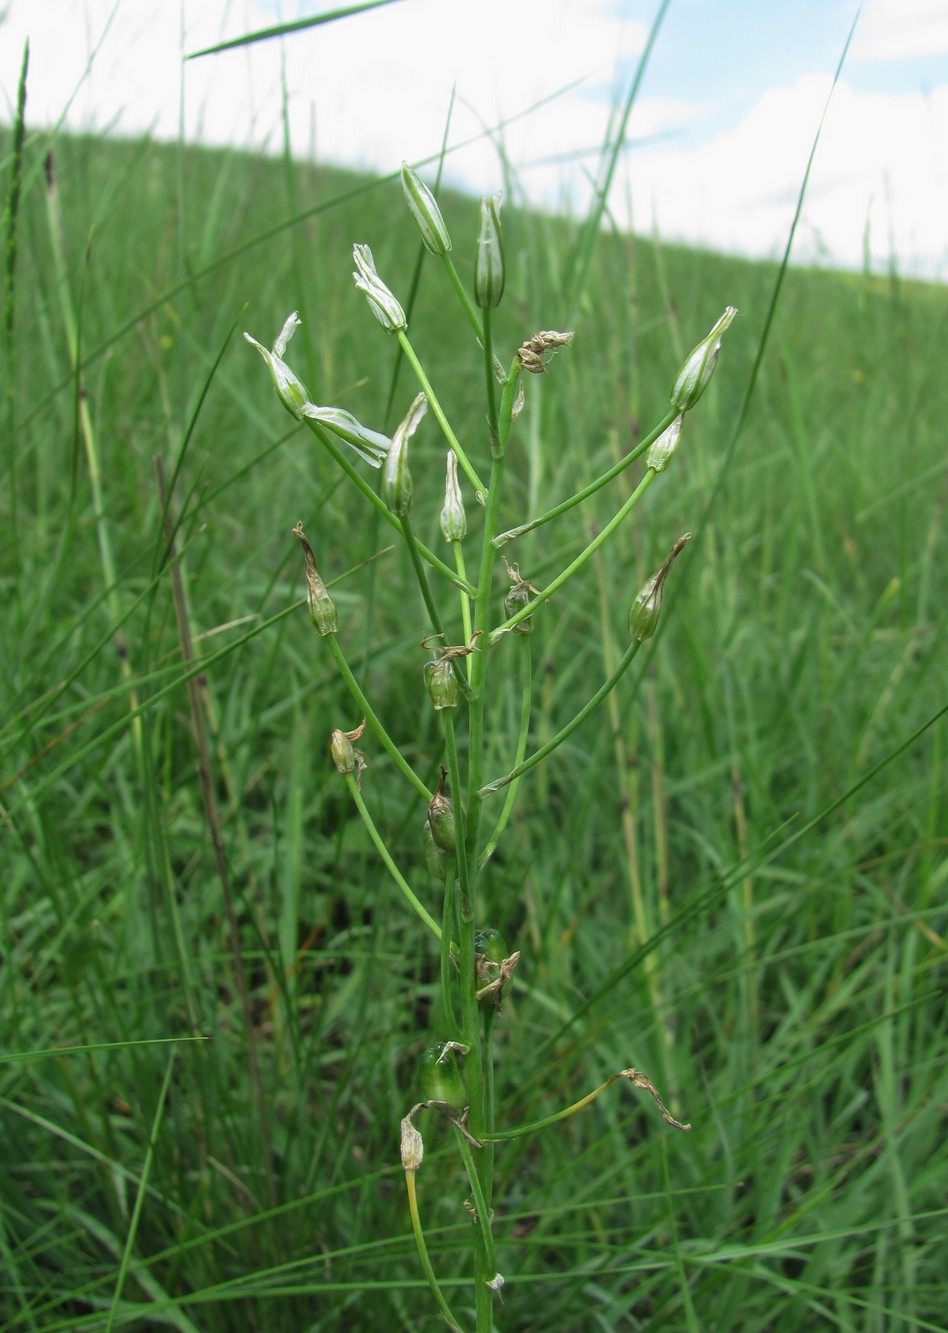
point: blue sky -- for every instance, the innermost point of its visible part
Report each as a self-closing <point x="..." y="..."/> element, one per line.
<point x="717" y="143"/>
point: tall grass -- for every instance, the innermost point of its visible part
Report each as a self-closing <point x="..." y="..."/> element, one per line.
<point x="212" y="1000"/>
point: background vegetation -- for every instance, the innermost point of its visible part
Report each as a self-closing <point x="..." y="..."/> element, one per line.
<point x="212" y="1000"/>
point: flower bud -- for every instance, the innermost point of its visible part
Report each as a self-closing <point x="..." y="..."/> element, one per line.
<point x="322" y="609"/>
<point x="424" y="209"/>
<point x="441" y="683"/>
<point x="441" y="1079"/>
<point x="697" y="371"/>
<point x="453" y="517"/>
<point x="383" y="304"/>
<point x="436" y="858"/>
<point x="647" y="606"/>
<point x="396" y="479"/>
<point x="489" y="266"/>
<point x="291" y="389"/>
<point x="659" y="455"/>
<point x="368" y="444"/>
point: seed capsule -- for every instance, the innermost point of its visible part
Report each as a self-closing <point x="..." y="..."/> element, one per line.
<point x="441" y="1079"/>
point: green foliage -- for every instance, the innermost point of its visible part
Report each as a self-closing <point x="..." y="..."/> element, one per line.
<point x="714" y="880"/>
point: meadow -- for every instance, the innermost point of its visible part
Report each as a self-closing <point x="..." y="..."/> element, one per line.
<point x="212" y="997"/>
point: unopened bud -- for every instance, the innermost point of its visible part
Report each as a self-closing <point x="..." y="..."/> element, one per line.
<point x="424" y="209"/>
<point x="396" y="478"/>
<point x="441" y="683"/>
<point x="322" y="609"/>
<point x="489" y="271"/>
<point x="699" y="367"/>
<point x="659" y="455"/>
<point x="453" y="517"/>
<point x="384" y="305"/>
<point x="291" y="389"/>
<point x="647" y="606"/>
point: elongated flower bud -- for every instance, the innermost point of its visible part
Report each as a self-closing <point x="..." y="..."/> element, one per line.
<point x="368" y="444"/>
<point x="659" y="455"/>
<point x="453" y="517"/>
<point x="322" y="609"/>
<point x="424" y="209"/>
<point x="383" y="304"/>
<point x="489" y="271"/>
<point x="647" y="606"/>
<point x="290" y="388"/>
<point x="695" y="374"/>
<point x="441" y="1079"/>
<point x="396" y="478"/>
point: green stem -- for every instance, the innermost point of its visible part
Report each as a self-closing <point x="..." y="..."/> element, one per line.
<point x="580" y="560"/>
<point x="413" y="551"/>
<point x="512" y="533"/>
<point x="480" y="1200"/>
<point x="436" y="407"/>
<point x="526" y="696"/>
<point x="393" y="869"/>
<point x="467" y="304"/>
<point x="368" y="712"/>
<point x="465" y="601"/>
<point x="423" y="1253"/>
<point x="570" y="727"/>
<point x="488" y="342"/>
<point x="449" y="927"/>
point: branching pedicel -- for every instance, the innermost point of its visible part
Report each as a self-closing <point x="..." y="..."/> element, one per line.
<point x="456" y="1074"/>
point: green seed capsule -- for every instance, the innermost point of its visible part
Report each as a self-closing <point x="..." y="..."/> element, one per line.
<point x="436" y="858"/>
<point x="441" y="818"/>
<point x="491" y="944"/>
<point x="441" y="1079"/>
<point x="442" y="683"/>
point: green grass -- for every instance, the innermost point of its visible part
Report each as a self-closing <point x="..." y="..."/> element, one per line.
<point x="734" y="878"/>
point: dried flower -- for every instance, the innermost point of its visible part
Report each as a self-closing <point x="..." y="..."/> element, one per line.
<point x="322" y="609"/>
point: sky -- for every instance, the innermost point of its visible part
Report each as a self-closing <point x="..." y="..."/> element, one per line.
<point x="714" y="152"/>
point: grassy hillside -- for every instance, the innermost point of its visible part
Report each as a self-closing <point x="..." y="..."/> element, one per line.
<point x="213" y="999"/>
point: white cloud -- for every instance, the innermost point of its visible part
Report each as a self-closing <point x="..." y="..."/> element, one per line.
<point x="880" y="163"/>
<point x="901" y="29"/>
